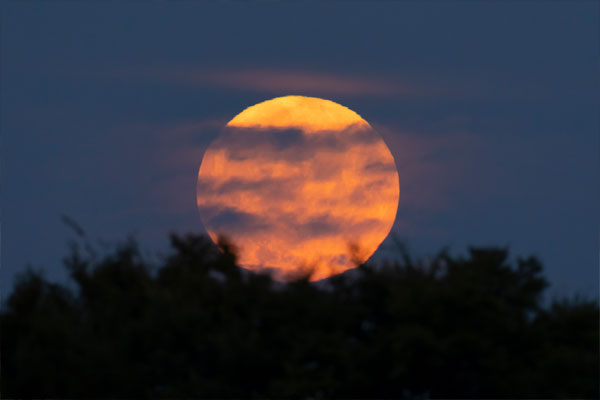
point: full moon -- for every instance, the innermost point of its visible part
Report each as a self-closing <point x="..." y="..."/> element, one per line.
<point x="299" y="183"/>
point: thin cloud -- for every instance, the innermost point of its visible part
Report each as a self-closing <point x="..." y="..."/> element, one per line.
<point x="301" y="81"/>
<point x="277" y="81"/>
<point x="167" y="157"/>
<point x="289" y="144"/>
<point x="430" y="165"/>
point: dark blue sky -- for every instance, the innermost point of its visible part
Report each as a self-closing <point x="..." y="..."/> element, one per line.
<point x="490" y="110"/>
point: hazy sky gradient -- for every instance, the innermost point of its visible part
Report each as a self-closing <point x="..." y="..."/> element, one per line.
<point x="489" y="108"/>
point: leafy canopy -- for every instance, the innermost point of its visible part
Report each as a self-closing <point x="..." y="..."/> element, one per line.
<point x="195" y="325"/>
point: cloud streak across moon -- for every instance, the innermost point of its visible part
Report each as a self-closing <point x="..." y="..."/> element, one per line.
<point x="293" y="182"/>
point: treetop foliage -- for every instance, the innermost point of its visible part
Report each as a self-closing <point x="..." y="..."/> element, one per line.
<point x="196" y="325"/>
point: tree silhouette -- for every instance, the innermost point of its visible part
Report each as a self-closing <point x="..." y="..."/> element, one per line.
<point x="195" y="325"/>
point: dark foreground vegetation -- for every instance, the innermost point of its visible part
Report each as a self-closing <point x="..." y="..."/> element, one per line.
<point x="196" y="326"/>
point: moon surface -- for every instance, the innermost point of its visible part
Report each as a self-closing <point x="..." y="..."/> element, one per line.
<point x="297" y="184"/>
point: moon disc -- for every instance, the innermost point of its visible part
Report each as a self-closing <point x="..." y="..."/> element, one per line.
<point x="299" y="183"/>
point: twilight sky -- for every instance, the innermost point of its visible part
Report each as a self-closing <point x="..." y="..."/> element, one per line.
<point x="489" y="109"/>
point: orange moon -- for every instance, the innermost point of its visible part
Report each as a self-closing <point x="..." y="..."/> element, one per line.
<point x="299" y="183"/>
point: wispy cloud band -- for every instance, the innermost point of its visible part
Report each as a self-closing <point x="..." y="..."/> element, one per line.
<point x="286" y="81"/>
